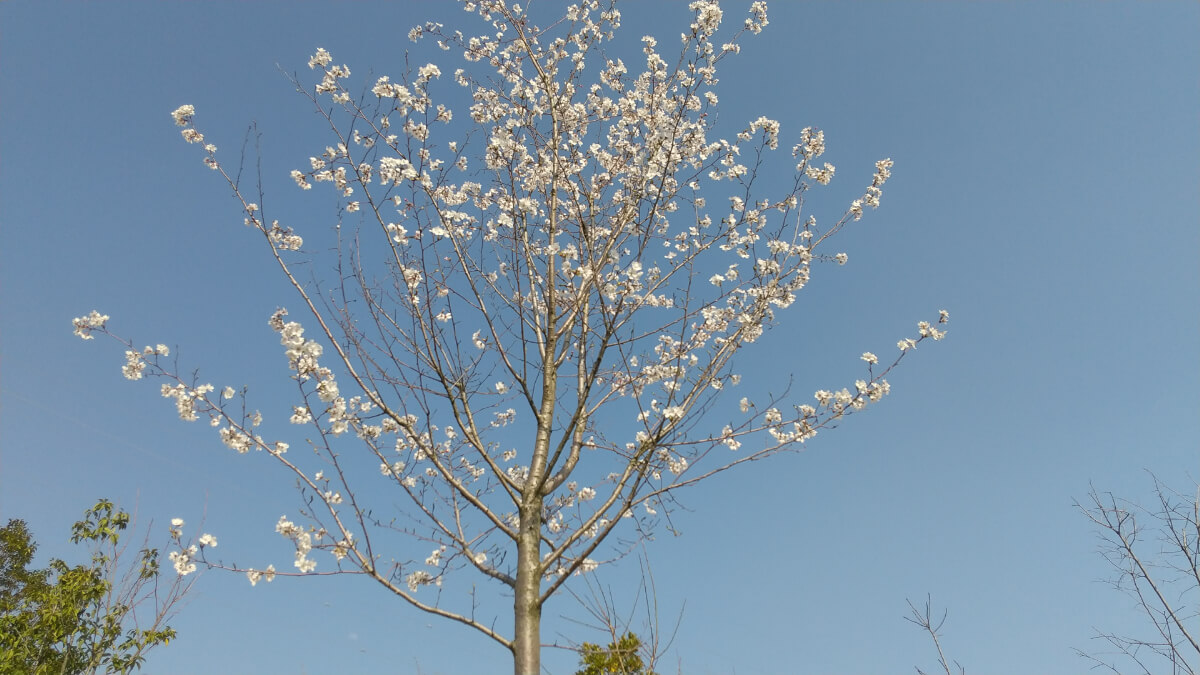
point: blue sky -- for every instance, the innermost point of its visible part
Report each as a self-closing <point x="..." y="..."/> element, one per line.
<point x="1045" y="192"/>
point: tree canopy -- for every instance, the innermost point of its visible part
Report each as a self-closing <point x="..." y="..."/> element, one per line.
<point x="81" y="619"/>
<point x="538" y="303"/>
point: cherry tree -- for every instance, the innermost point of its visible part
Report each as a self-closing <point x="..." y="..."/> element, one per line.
<point x="532" y="340"/>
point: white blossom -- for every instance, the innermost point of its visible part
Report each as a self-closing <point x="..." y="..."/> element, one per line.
<point x="183" y="114"/>
<point x="267" y="575"/>
<point x="84" y="325"/>
<point x="182" y="560"/>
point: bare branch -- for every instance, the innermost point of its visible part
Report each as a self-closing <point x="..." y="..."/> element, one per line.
<point x="923" y="618"/>
<point x="1156" y="562"/>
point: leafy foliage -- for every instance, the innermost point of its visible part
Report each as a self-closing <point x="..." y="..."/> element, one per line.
<point x="81" y="619"/>
<point x="622" y="657"/>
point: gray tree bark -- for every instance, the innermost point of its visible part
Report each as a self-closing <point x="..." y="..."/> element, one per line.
<point x="527" y="609"/>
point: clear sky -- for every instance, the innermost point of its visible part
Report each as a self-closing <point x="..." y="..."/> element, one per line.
<point x="1045" y="192"/>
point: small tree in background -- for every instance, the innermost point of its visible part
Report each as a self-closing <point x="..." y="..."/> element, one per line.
<point x="80" y="620"/>
<point x="627" y="650"/>
<point x="1155" y="551"/>
<point x="533" y="334"/>
<point x="623" y="657"/>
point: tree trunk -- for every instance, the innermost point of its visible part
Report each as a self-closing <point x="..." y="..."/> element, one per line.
<point x="527" y="610"/>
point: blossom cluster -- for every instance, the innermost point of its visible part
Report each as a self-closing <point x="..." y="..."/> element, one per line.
<point x="303" y="357"/>
<point x="183" y="117"/>
<point x="883" y="171"/>
<point x="135" y="362"/>
<point x="302" y="540"/>
<point x="187" y="398"/>
<point x="184" y="559"/>
<point x="84" y="325"/>
<point x="267" y="575"/>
